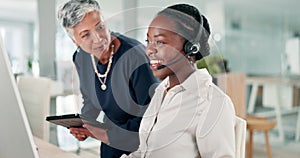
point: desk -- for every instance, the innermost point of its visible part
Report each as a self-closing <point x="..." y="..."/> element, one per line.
<point x="47" y="150"/>
<point x="255" y="82"/>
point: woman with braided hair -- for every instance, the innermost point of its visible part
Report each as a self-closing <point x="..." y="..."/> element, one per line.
<point x="188" y="116"/>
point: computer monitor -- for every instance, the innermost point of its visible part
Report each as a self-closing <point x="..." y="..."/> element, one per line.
<point x="15" y="134"/>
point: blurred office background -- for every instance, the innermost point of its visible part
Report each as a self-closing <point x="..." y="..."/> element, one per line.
<point x="259" y="38"/>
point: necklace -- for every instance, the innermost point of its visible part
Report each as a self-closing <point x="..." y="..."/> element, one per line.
<point x="100" y="76"/>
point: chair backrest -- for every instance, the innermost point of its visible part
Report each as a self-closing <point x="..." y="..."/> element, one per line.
<point x="35" y="94"/>
<point x="240" y="137"/>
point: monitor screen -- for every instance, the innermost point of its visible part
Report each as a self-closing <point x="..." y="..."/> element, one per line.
<point x="15" y="134"/>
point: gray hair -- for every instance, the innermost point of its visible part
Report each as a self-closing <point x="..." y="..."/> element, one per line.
<point x="72" y="12"/>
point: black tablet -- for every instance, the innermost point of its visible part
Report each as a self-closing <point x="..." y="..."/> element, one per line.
<point x="73" y="120"/>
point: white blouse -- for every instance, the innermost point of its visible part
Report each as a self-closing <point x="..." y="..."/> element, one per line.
<point x="192" y="120"/>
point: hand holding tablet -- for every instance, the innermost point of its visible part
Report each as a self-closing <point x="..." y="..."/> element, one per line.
<point x="74" y="120"/>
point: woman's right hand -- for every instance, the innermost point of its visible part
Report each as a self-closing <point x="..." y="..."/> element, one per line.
<point x="80" y="133"/>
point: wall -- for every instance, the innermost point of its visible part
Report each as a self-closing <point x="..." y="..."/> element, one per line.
<point x="254" y="47"/>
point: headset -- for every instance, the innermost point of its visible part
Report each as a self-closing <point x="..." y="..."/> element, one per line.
<point x="190" y="47"/>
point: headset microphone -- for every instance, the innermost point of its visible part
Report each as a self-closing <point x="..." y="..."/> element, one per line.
<point x="193" y="50"/>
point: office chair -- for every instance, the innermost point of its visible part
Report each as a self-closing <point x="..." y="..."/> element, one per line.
<point x="35" y="94"/>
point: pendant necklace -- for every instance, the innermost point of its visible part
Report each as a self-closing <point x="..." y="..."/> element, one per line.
<point x="104" y="76"/>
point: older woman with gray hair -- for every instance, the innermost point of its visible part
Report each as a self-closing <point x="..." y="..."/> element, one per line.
<point x="114" y="77"/>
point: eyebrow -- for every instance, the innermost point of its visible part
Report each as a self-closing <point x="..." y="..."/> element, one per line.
<point x="158" y="35"/>
<point x="83" y="32"/>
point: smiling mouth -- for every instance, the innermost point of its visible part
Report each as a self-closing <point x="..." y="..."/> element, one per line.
<point x="155" y="63"/>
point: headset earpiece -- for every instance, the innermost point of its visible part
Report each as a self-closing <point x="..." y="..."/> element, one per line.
<point x="191" y="48"/>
